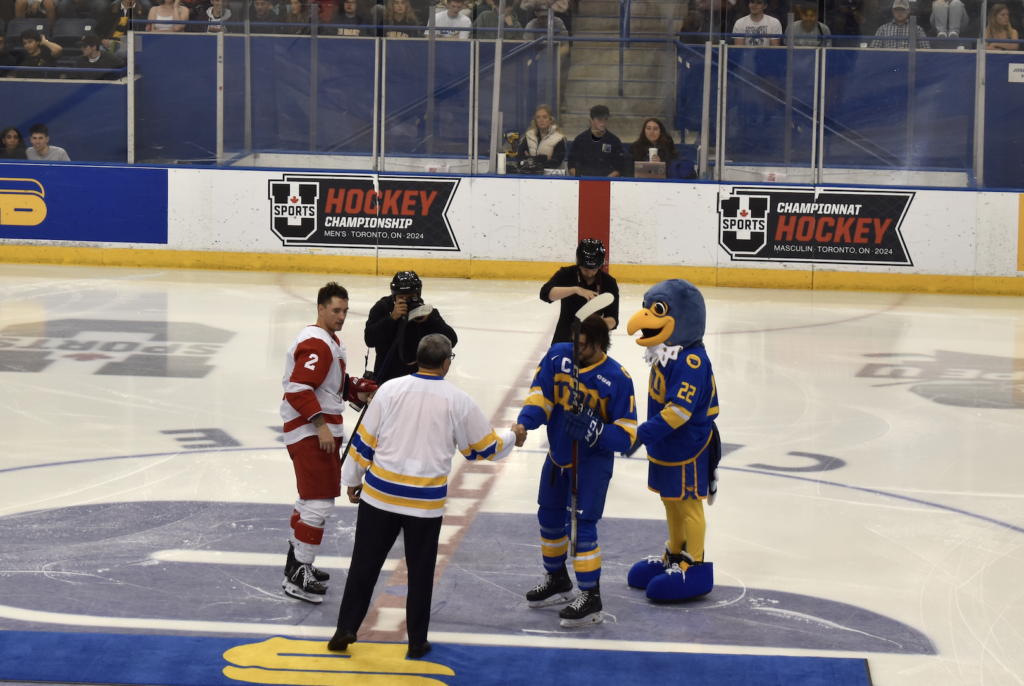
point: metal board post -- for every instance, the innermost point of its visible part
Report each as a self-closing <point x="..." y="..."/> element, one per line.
<point x="130" y="88"/>
<point x="220" y="98"/>
<point x="705" y="113"/>
<point x="431" y="68"/>
<point x="496" y="94"/>
<point x="314" y="30"/>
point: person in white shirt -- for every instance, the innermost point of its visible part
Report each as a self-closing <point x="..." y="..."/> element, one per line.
<point x="397" y="470"/>
<point x="41" y="150"/>
<point x="449" y="21"/>
<point x="757" y="25"/>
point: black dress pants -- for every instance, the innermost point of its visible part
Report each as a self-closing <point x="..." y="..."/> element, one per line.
<point x="376" y="532"/>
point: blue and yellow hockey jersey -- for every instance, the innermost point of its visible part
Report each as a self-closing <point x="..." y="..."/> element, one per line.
<point x="682" y="403"/>
<point x="605" y="387"/>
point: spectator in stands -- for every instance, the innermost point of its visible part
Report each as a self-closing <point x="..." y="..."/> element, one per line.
<point x="298" y="18"/>
<point x="899" y="28"/>
<point x="261" y="12"/>
<point x="13" y="147"/>
<point x="328" y="10"/>
<point x="488" y="19"/>
<point x="450" y="21"/>
<point x="693" y="29"/>
<point x="809" y="32"/>
<point x="217" y="14"/>
<point x="756" y="25"/>
<point x="33" y="8"/>
<point x="116" y="21"/>
<point x="95" y="58"/>
<point x="543" y="142"/>
<point x="999" y="28"/>
<point x="949" y="18"/>
<point x="160" y="15"/>
<point x="597" y="151"/>
<point x="41" y="150"/>
<point x="653" y="135"/>
<point x="351" y="23"/>
<point x="6" y="58"/>
<point x="397" y="17"/>
<point x="540" y="23"/>
<point x="561" y="8"/>
<point x="848" y="18"/>
<point x="39" y="52"/>
<point x="81" y="9"/>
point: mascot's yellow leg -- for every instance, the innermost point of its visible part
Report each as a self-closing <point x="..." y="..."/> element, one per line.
<point x="686" y="525"/>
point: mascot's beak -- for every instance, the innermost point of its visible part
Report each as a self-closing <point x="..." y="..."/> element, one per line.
<point x="655" y="329"/>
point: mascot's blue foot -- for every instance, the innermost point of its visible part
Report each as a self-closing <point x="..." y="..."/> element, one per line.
<point x="641" y="574"/>
<point x="675" y="584"/>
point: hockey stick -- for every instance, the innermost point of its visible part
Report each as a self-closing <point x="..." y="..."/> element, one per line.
<point x="394" y="344"/>
<point x="593" y="306"/>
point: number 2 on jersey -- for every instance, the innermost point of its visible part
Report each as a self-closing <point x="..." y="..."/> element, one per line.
<point x="311" y="363"/>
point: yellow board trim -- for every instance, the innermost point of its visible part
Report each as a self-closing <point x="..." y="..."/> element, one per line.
<point x="325" y="263"/>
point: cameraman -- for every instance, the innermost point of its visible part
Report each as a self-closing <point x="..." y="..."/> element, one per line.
<point x="388" y="320"/>
<point x="543" y="145"/>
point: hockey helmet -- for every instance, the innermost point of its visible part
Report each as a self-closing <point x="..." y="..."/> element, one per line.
<point x="405" y="283"/>
<point x="590" y="254"/>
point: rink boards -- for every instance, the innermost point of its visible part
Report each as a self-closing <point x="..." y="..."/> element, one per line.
<point x="745" y="235"/>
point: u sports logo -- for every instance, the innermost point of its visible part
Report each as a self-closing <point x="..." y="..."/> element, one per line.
<point x="22" y="202"/>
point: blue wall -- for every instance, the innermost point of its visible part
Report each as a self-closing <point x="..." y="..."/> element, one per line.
<point x="89" y="120"/>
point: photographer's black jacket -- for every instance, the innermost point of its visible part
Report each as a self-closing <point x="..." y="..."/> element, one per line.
<point x="567" y="277"/>
<point x="380" y="333"/>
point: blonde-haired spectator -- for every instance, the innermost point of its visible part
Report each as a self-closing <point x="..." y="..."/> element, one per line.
<point x="543" y="141"/>
<point x="999" y="28"/>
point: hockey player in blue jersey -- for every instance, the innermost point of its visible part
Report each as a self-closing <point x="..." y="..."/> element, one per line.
<point x="606" y="425"/>
<point x="683" y="446"/>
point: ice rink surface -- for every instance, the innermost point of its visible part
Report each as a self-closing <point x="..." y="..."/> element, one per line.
<point x="871" y="503"/>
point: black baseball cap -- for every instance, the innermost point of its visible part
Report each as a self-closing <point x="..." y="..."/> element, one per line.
<point x="90" y="39"/>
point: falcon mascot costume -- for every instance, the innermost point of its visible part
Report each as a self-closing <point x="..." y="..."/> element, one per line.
<point x="683" y="445"/>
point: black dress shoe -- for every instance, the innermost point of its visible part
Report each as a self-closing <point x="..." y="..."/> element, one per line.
<point x="341" y="640"/>
<point x="418" y="651"/>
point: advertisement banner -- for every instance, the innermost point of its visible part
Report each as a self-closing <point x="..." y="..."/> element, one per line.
<point x="69" y="202"/>
<point x="837" y="226"/>
<point x="362" y="211"/>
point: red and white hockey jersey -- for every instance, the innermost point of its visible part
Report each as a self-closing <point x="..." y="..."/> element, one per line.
<point x="314" y="382"/>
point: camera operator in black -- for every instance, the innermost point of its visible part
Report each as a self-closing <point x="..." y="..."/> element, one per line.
<point x="388" y="319"/>
<point x="574" y="286"/>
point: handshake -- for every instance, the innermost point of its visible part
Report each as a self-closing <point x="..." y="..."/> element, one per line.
<point x="585" y="426"/>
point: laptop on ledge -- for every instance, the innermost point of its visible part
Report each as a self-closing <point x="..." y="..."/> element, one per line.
<point x="650" y="170"/>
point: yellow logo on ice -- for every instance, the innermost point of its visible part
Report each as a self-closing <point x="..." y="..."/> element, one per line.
<point x="21" y="202"/>
<point x="309" y="663"/>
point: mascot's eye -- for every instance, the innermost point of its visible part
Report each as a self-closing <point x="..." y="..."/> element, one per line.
<point x="660" y="309"/>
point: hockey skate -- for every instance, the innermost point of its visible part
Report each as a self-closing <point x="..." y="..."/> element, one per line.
<point x="291" y="563"/>
<point x="584" y="611"/>
<point x="304" y="586"/>
<point x="556" y="590"/>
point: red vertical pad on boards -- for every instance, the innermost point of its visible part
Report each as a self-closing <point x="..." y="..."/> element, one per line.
<point x="595" y="213"/>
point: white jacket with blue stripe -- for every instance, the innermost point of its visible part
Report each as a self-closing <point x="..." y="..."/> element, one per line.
<point x="402" y="452"/>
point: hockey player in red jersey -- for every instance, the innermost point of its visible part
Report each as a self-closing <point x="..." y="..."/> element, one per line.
<point x="315" y="388"/>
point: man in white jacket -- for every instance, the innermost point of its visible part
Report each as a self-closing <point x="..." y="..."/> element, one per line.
<point x="397" y="470"/>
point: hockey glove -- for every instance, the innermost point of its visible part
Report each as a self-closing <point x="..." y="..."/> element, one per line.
<point x="585" y="426"/>
<point x="713" y="487"/>
<point x="637" y="444"/>
<point x="357" y="385"/>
